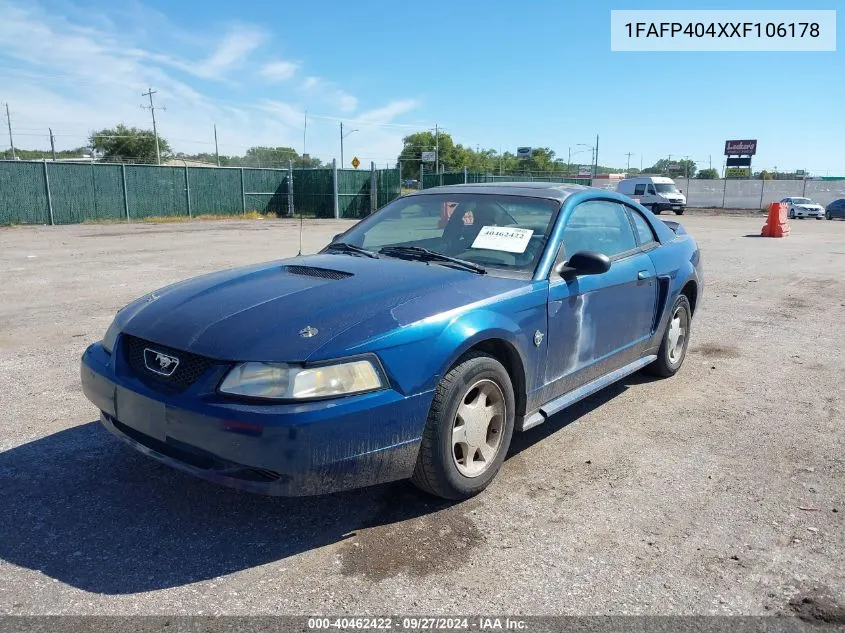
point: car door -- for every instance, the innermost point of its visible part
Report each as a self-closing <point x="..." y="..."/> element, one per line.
<point x="598" y="323"/>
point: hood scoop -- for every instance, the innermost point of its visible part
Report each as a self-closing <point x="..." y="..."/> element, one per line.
<point x="313" y="271"/>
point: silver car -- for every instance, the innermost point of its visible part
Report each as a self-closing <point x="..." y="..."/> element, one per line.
<point x="803" y="208"/>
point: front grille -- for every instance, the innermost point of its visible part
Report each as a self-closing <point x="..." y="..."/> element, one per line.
<point x="191" y="366"/>
<point x="313" y="271"/>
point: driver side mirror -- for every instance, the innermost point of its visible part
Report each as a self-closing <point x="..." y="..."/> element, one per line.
<point x="334" y="239"/>
<point x="584" y="263"/>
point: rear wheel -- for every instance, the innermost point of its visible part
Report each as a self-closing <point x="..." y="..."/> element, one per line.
<point x="469" y="429"/>
<point x="679" y="212"/>
<point x="655" y="209"/>
<point x="791" y="214"/>
<point x="673" y="347"/>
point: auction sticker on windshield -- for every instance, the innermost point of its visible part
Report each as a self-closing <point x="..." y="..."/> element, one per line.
<point x="503" y="238"/>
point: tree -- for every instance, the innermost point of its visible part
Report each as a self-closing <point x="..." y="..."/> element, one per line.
<point x="122" y="143"/>
<point x="708" y="174"/>
<point x="674" y="168"/>
<point x="278" y="157"/>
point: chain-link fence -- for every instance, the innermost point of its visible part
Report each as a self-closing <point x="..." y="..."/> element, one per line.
<point x="462" y="177"/>
<point x="46" y="192"/>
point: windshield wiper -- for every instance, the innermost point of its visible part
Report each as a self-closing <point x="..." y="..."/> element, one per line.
<point x="428" y="255"/>
<point x="345" y="247"/>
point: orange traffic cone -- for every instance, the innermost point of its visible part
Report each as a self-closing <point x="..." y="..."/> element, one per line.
<point x="776" y="224"/>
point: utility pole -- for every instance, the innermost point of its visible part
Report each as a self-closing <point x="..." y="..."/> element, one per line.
<point x="304" y="132"/>
<point x="596" y="160"/>
<point x="52" y="143"/>
<point x="216" y="149"/>
<point x="150" y="92"/>
<point x="11" y="140"/>
<point x="568" y="160"/>
<point x="436" y="149"/>
<point x="629" y="154"/>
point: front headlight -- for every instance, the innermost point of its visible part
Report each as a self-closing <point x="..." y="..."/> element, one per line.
<point x="111" y="336"/>
<point x="279" y="381"/>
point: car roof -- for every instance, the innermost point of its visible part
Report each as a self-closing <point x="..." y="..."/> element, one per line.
<point x="532" y="189"/>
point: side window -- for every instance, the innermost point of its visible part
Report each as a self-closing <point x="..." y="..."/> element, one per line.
<point x="644" y="230"/>
<point x="639" y="190"/>
<point x="598" y="225"/>
<point x="651" y="190"/>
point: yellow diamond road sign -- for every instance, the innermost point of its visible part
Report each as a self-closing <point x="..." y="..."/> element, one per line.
<point x="355" y="162"/>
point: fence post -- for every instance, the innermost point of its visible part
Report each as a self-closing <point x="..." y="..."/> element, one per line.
<point x="290" y="188"/>
<point x="125" y="197"/>
<point x="422" y="171"/>
<point x="243" y="191"/>
<point x="724" y="190"/>
<point x="373" y="188"/>
<point x="762" y="189"/>
<point x="47" y="188"/>
<point x="335" y="199"/>
<point x="465" y="175"/>
<point x="188" y="191"/>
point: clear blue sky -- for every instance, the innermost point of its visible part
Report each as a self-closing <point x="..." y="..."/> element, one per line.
<point x="494" y="74"/>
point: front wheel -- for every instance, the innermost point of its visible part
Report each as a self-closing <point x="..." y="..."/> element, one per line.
<point x="791" y="214"/>
<point x="468" y="430"/>
<point x="673" y="348"/>
<point x="679" y="212"/>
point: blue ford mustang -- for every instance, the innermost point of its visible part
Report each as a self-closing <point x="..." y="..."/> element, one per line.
<point x="412" y="346"/>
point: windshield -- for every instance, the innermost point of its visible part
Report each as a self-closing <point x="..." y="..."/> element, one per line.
<point x="802" y="201"/>
<point x="666" y="188"/>
<point x="506" y="232"/>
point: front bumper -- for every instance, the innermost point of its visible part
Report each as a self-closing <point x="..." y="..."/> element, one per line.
<point x="670" y="206"/>
<point x="288" y="449"/>
<point x="808" y="213"/>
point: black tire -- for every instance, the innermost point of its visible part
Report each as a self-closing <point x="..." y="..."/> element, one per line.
<point x="655" y="209"/>
<point x="827" y="216"/>
<point x="436" y="471"/>
<point x="664" y="366"/>
<point x="791" y="214"/>
<point x="681" y="212"/>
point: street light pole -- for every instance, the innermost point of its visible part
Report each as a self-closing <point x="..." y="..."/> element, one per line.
<point x="343" y="136"/>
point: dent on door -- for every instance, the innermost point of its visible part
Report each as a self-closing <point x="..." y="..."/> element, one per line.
<point x="598" y="323"/>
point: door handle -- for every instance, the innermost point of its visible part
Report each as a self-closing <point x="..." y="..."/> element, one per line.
<point x="643" y="274"/>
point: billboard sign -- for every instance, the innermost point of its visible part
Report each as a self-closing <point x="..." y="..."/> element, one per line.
<point x="739" y="161"/>
<point x="585" y="170"/>
<point x="738" y="172"/>
<point x="429" y="157"/>
<point x="741" y="148"/>
<point x="524" y="152"/>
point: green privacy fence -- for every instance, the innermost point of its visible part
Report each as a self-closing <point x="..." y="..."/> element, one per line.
<point x="46" y="192"/>
<point x="459" y="177"/>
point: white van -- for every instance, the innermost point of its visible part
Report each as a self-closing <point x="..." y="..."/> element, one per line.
<point x="655" y="192"/>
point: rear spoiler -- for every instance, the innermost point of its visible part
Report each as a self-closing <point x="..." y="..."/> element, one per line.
<point x="677" y="227"/>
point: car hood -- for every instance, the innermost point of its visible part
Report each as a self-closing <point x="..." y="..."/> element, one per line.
<point x="258" y="312"/>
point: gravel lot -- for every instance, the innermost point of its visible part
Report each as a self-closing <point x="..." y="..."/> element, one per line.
<point x="719" y="491"/>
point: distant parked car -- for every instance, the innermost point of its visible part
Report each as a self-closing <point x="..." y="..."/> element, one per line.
<point x="803" y="208"/>
<point x="410" y="182"/>
<point x="836" y="209"/>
